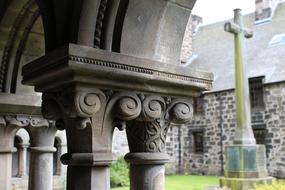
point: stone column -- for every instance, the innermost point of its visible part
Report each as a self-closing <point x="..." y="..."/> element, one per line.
<point x="147" y="136"/>
<point x="97" y="91"/>
<point x="22" y="171"/>
<point x="41" y="157"/>
<point x="61" y="169"/>
<point x="88" y="121"/>
<point x="8" y="128"/>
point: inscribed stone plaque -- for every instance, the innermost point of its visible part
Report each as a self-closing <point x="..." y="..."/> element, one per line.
<point x="249" y="158"/>
<point x="233" y="158"/>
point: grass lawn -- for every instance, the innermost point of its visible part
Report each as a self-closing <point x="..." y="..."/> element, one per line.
<point x="186" y="182"/>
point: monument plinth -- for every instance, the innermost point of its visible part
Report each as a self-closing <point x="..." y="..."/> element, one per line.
<point x="245" y="161"/>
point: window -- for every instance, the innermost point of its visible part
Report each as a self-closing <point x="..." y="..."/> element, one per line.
<point x="259" y="131"/>
<point x="198" y="142"/>
<point x="256" y="92"/>
<point x="260" y="135"/>
<point x="199" y="105"/>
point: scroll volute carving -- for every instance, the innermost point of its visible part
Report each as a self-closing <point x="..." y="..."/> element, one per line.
<point x="80" y="104"/>
<point x="180" y="111"/>
<point x="80" y="111"/>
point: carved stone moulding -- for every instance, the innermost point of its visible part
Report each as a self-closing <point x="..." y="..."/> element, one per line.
<point x="9" y="125"/>
<point x="74" y="64"/>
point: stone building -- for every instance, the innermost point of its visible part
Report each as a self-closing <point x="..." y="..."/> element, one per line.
<point x="198" y="146"/>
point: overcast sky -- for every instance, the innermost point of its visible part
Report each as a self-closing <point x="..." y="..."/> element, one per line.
<point x="218" y="10"/>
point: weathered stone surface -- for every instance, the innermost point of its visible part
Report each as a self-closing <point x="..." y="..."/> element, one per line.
<point x="127" y="72"/>
<point x="90" y="98"/>
<point x="156" y="35"/>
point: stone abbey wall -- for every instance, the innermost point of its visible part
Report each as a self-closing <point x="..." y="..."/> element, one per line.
<point x="218" y="125"/>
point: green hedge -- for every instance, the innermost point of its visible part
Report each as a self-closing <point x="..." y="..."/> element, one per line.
<point x="120" y="173"/>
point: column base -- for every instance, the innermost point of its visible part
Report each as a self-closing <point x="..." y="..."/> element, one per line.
<point x="243" y="183"/>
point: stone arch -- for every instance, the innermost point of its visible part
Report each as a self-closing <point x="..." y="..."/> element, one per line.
<point x="93" y="23"/>
<point x="20" y="156"/>
<point x="23" y="41"/>
<point x="24" y="135"/>
<point x="118" y="26"/>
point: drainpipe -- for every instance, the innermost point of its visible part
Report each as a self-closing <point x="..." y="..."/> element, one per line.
<point x="222" y="133"/>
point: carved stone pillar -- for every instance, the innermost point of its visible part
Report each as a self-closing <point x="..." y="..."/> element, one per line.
<point x="147" y="136"/>
<point x="22" y="171"/>
<point x="89" y="92"/>
<point x="89" y="116"/>
<point x="41" y="154"/>
<point x="8" y="128"/>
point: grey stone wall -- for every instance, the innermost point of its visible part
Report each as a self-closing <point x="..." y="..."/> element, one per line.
<point x="218" y="125"/>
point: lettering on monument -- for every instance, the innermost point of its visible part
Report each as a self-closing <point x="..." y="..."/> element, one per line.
<point x="233" y="159"/>
<point x="249" y="158"/>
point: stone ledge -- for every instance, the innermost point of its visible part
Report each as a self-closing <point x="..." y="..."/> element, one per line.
<point x="16" y="103"/>
<point x="79" y="64"/>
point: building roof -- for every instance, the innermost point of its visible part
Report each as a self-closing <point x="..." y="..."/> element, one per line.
<point x="215" y="50"/>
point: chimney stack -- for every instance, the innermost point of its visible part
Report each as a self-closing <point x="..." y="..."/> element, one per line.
<point x="264" y="9"/>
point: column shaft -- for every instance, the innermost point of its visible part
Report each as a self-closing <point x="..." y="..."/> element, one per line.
<point x="6" y="170"/>
<point x="81" y="178"/>
<point x="147" y="177"/>
<point x="147" y="170"/>
<point x="41" y="154"/>
<point x="41" y="169"/>
<point x="22" y="171"/>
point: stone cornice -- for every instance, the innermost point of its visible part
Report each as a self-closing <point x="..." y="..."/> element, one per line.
<point x="20" y="104"/>
<point x="78" y="64"/>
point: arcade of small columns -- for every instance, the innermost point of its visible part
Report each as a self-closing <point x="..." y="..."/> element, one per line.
<point x="107" y="64"/>
<point x="41" y="133"/>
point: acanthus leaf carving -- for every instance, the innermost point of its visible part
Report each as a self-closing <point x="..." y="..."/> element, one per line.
<point x="23" y="120"/>
<point x="148" y="132"/>
<point x="39" y="122"/>
<point x="18" y="120"/>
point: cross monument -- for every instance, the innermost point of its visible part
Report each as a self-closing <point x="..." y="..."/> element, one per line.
<point x="245" y="161"/>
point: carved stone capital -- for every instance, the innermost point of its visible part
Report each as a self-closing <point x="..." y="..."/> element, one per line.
<point x="9" y="125"/>
<point x="73" y="103"/>
<point x="96" y="112"/>
<point x="148" y="132"/>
